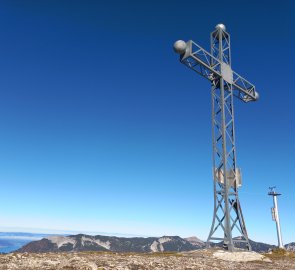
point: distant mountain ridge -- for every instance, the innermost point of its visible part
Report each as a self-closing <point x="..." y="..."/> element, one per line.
<point x="83" y="242"/>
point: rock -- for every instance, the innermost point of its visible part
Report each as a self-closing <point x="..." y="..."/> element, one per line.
<point x="238" y="256"/>
<point x="267" y="260"/>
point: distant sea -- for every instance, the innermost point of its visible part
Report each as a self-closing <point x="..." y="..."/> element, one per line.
<point x="9" y="248"/>
<point x="11" y="241"/>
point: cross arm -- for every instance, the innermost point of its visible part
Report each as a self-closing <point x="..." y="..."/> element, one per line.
<point x="244" y="89"/>
<point x="204" y="63"/>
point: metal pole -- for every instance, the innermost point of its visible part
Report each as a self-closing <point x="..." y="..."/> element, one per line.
<point x="280" y="241"/>
<point x="276" y="216"/>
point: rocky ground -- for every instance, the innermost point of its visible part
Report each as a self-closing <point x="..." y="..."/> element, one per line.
<point x="194" y="260"/>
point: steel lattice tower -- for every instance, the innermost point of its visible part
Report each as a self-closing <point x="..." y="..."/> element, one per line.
<point x="225" y="84"/>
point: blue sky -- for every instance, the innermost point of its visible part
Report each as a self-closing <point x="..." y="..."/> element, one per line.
<point x="103" y="130"/>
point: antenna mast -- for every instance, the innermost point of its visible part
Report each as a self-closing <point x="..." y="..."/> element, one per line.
<point x="275" y="214"/>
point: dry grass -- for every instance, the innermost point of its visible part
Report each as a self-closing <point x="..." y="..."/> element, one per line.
<point x="280" y="253"/>
<point x="163" y="254"/>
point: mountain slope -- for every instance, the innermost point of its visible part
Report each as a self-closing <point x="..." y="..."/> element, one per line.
<point x="256" y="246"/>
<point x="82" y="242"/>
<point x="195" y="241"/>
<point x="290" y="246"/>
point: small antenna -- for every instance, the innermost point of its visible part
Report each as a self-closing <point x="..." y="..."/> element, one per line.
<point x="275" y="214"/>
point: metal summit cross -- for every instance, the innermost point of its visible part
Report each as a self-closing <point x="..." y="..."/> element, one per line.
<point x="225" y="84"/>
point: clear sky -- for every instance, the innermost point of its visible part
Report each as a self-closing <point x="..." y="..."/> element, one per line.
<point x="103" y="130"/>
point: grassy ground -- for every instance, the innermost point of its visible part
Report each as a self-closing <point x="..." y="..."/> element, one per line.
<point x="280" y="254"/>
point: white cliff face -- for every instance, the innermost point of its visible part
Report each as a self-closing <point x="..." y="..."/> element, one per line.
<point x="106" y="245"/>
<point x="65" y="240"/>
<point x="154" y="246"/>
<point x="61" y="240"/>
<point x="164" y="239"/>
<point x="98" y="242"/>
<point x="157" y="246"/>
